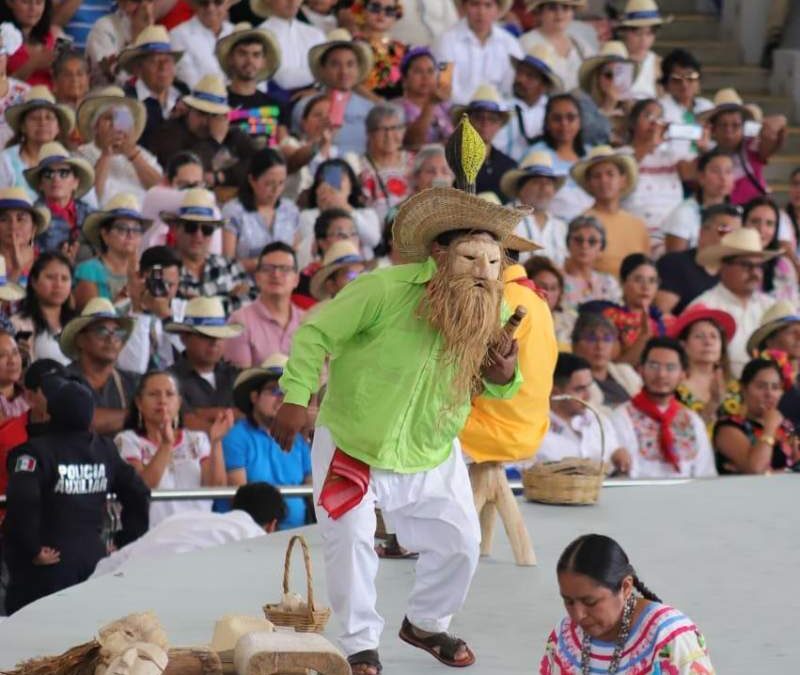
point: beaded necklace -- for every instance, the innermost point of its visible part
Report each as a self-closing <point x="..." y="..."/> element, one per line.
<point x="619" y="645"/>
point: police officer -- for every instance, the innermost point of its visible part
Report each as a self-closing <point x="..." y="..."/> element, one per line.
<point x="57" y="490"/>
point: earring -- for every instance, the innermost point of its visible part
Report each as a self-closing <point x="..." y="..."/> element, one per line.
<point x="140" y="423"/>
<point x="175" y="423"/>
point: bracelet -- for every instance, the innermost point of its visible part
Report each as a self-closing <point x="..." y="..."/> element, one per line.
<point x="769" y="440"/>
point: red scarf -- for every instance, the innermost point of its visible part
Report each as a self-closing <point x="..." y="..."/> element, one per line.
<point x="644" y="404"/>
<point x="345" y="485"/>
<point x="68" y="212"/>
<point x="528" y="283"/>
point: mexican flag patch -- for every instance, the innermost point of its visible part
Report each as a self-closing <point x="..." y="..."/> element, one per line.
<point x="25" y="463"/>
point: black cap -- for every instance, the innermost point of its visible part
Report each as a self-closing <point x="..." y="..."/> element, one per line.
<point x="70" y="402"/>
<point x="41" y="369"/>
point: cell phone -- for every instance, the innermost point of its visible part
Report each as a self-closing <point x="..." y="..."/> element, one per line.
<point x="623" y="78"/>
<point x="445" y="78"/>
<point x="684" y="132"/>
<point x="155" y="284"/>
<point x="332" y="175"/>
<point x="63" y="44"/>
<point x="22" y="335"/>
<point x="752" y="129"/>
<point x="338" y="105"/>
<point x="123" y="119"/>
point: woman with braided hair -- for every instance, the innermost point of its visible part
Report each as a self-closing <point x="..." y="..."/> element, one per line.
<point x="615" y="623"/>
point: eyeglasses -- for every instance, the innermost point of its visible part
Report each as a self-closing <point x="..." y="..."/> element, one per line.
<point x="127" y="230"/>
<point x="191" y="227"/>
<point x="190" y="186"/>
<point x="208" y="3"/>
<point x="693" y="77"/>
<point x="341" y="234"/>
<point x="390" y="11"/>
<point x="655" y="366"/>
<point x="106" y="333"/>
<point x="267" y="268"/>
<point x="564" y="117"/>
<point x="580" y="240"/>
<point x="49" y="174"/>
<point x="595" y="338"/>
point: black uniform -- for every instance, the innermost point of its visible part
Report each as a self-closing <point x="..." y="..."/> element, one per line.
<point x="57" y="491"/>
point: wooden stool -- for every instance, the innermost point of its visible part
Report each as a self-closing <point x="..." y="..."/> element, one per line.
<point x="493" y="494"/>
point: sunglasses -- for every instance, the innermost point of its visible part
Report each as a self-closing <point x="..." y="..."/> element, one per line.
<point x="377" y="8"/>
<point x="127" y="231"/>
<point x="191" y="227"/>
<point x="49" y="174"/>
<point x="106" y="333"/>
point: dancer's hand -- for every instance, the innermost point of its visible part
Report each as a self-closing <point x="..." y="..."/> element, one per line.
<point x="289" y="421"/>
<point x="501" y="363"/>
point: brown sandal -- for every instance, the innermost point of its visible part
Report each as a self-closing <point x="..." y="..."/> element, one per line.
<point x="446" y="644"/>
<point x="368" y="658"/>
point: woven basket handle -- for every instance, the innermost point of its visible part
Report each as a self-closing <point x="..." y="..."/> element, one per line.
<point x="307" y="562"/>
<point x="596" y="414"/>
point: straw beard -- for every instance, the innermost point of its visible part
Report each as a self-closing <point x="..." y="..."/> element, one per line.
<point x="467" y="315"/>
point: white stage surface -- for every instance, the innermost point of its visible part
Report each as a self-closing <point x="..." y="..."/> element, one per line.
<point x="726" y="552"/>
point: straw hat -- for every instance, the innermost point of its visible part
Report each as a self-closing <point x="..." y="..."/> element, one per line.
<point x="427" y="214"/>
<point x="101" y="99"/>
<point x="541" y="57"/>
<point x="9" y="291"/>
<point x="17" y="198"/>
<point x="742" y="241"/>
<point x="209" y="96"/>
<point x="534" y="4"/>
<point x="505" y="5"/>
<point x="485" y="97"/>
<point x="777" y="317"/>
<point x="253" y="378"/>
<point x="97" y="309"/>
<point x="205" y="316"/>
<point x="726" y="100"/>
<point x="122" y="205"/>
<point x="199" y="205"/>
<point x="35" y="98"/>
<point x="613" y="51"/>
<point x="605" y="153"/>
<point x="152" y="40"/>
<point x="55" y="153"/>
<point x="339" y="37"/>
<point x="339" y="255"/>
<point x="536" y="163"/>
<point x="642" y="13"/>
<point x="695" y="313"/>
<point x="244" y="31"/>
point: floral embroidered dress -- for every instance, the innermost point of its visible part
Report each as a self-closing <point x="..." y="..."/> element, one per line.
<point x="388" y="186"/>
<point x="385" y="77"/>
<point x="709" y="410"/>
<point x="599" y="286"/>
<point x="782" y="450"/>
<point x="662" y="641"/>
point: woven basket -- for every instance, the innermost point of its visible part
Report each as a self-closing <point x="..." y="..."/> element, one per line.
<point x="305" y="620"/>
<point x="570" y="481"/>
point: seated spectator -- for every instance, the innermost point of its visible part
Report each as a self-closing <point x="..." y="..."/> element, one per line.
<point x="374" y="22"/>
<point x="533" y="185"/>
<point x="296" y="39"/>
<point x="152" y="291"/>
<point x="608" y="176"/>
<point x="664" y="438"/>
<point x="319" y="13"/>
<point x="13" y="402"/>
<point x="554" y="19"/>
<point x="71" y="80"/>
<point x="430" y="169"/>
<point x="32" y="61"/>
<point x="574" y="430"/>
<point x="422" y="24"/>
<point x="534" y="80"/>
<point x="562" y="139"/>
<point x="165" y="454"/>
<point x="341" y="265"/>
<point x="257" y="508"/>
<point x="113" y="33"/>
<point x="335" y="186"/>
<point x="756" y="438"/>
<point x="740" y="259"/>
<point x="659" y="190"/>
<point x="46" y="308"/>
<point x="112" y="125"/>
<point x="682" y="277"/>
<point x="488" y="113"/>
<point x="61" y="182"/>
<point x="425" y="100"/>
<point x="260" y="214"/>
<point x="596" y="339"/>
<point x="385" y="178"/>
<point x="780" y="275"/>
<point x="251" y="454"/>
<point x="750" y="155"/>
<point x="586" y="239"/>
<point x="204" y="273"/>
<point x="152" y="60"/>
<point x="714" y="185"/>
<point x="197" y="39"/>
<point x="704" y="335"/>
<point x="12" y="90"/>
<point x="93" y="340"/>
<point x="479" y="49"/>
<point x="20" y="224"/>
<point x="549" y="280"/>
<point x="271" y="320"/>
<point x="206" y="129"/>
<point x="638" y="28"/>
<point x="115" y="232"/>
<point x="36" y="120"/>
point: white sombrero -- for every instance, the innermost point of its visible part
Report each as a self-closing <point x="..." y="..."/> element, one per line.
<point x="340" y="37"/>
<point x="244" y="31"/>
<point x="541" y="57"/>
<point x="152" y="40"/>
<point x="205" y="316"/>
<point x="783" y="313"/>
<point x="199" y="205"/>
<point x="121" y="205"/>
<point x="642" y="13"/>
<point x="209" y="96"/>
<point x="106" y="97"/>
<point x="55" y="153"/>
<point x="339" y="255"/>
<point x="536" y="163"/>
<point x="252" y="378"/>
<point x="613" y="51"/>
<point x="35" y="98"/>
<point x="605" y="153"/>
<point x="742" y="241"/>
<point x="17" y="198"/>
<point x="97" y="309"/>
<point x="485" y="97"/>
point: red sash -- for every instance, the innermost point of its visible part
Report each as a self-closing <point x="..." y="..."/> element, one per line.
<point x="345" y="485"/>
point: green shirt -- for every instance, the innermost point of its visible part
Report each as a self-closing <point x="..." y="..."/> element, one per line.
<point x="388" y="400"/>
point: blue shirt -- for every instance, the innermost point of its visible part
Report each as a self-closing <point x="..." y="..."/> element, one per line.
<point x="254" y="450"/>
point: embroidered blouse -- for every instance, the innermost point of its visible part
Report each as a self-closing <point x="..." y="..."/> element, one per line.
<point x="781" y="450"/>
<point x="253" y="234"/>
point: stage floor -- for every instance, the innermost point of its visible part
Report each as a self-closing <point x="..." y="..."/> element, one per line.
<point x="726" y="552"/>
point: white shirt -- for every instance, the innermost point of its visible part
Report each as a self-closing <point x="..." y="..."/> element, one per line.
<point x="644" y="86"/>
<point x="565" y="67"/>
<point x="423" y="20"/>
<point x="183" y="533"/>
<point x="143" y="92"/>
<point x="684" y="221"/>
<point x="296" y="39"/>
<point x="108" y="37"/>
<point x="121" y="175"/>
<point x="135" y="355"/>
<point x="476" y="63"/>
<point x="675" y="113"/>
<point x="511" y="139"/>
<point x="552" y="237"/>
<point x="580" y="437"/>
<point x="747" y="314"/>
<point x="197" y="43"/>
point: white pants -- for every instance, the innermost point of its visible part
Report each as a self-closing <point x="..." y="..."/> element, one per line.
<point x="432" y="512"/>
